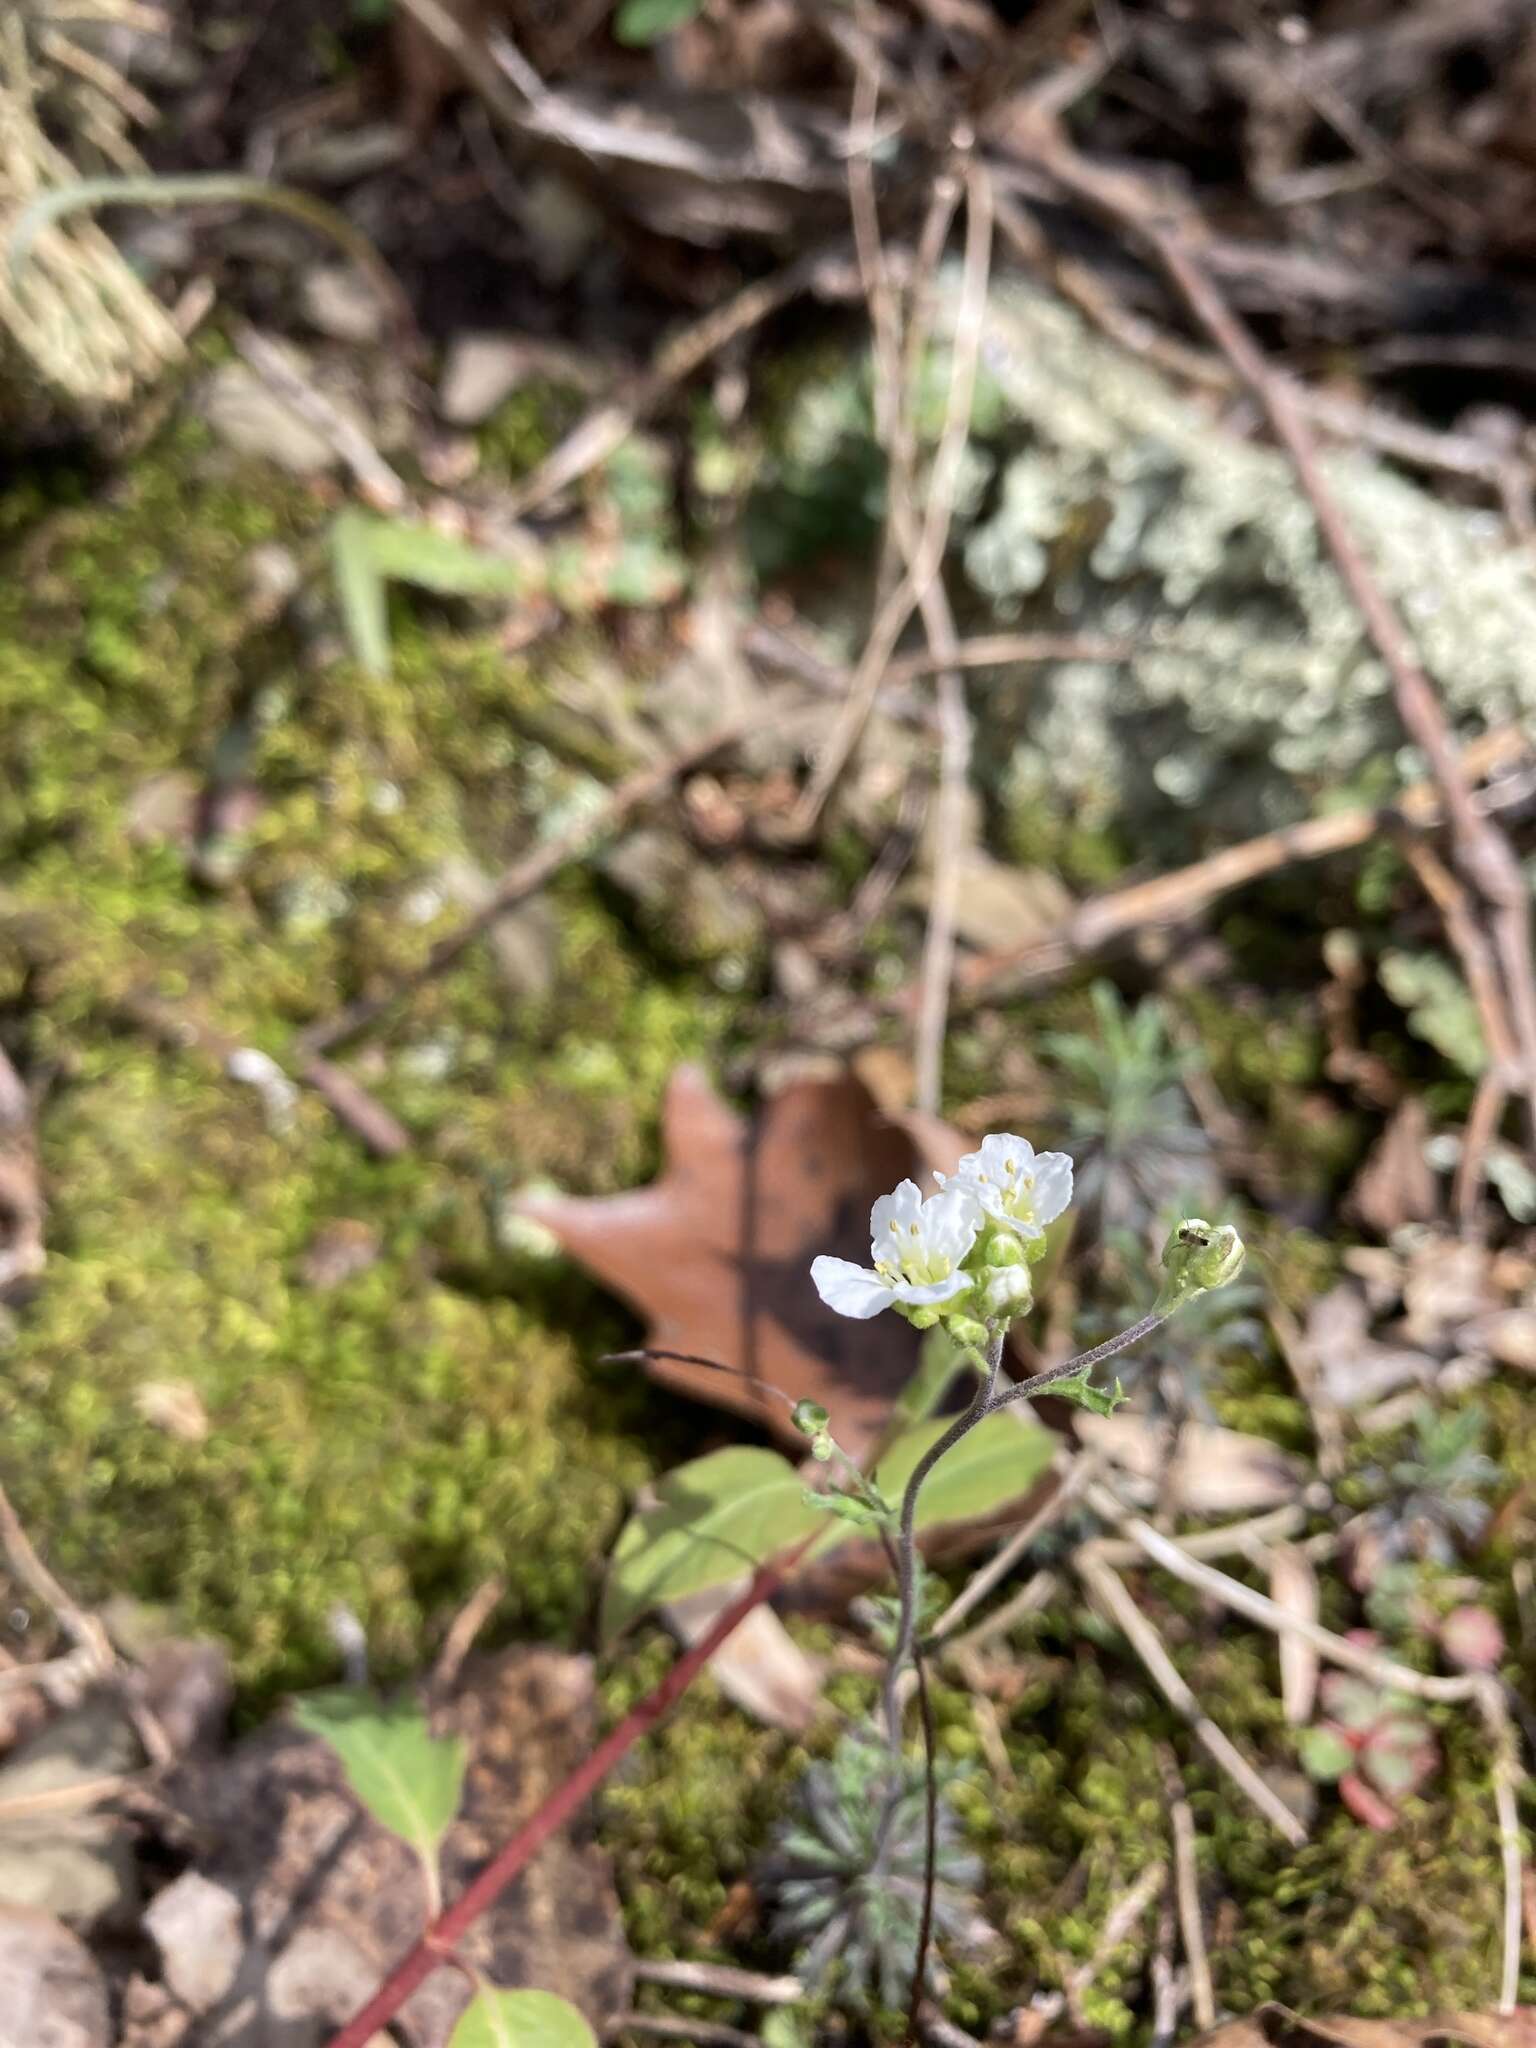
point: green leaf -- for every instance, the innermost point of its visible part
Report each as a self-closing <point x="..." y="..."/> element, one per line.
<point x="1325" y="1755"/>
<point x="1097" y="1400"/>
<point x="1000" y="1459"/>
<point x="939" y="1358"/>
<point x="410" y="553"/>
<point x="713" y="1519"/>
<point x="845" y="1506"/>
<point x="646" y="21"/>
<point x="1439" y="1005"/>
<point x="360" y="592"/>
<point x="520" y="2019"/>
<point x="409" y="1779"/>
<point x="368" y="552"/>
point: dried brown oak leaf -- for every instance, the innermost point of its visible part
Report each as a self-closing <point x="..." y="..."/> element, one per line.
<point x="716" y="1254"/>
<point x="1273" y="2026"/>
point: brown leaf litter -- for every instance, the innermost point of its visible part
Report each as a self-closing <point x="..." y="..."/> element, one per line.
<point x="715" y="1254"/>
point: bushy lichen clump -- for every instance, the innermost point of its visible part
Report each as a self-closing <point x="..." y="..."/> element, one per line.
<point x="1100" y="500"/>
<point x="385" y="1441"/>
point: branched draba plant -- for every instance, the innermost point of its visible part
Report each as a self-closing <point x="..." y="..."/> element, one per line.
<point x="963" y="1258"/>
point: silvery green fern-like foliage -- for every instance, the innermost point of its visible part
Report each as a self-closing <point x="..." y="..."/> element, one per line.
<point x="847" y="1876"/>
<point x="1437" y="1494"/>
<point x="1137" y="1148"/>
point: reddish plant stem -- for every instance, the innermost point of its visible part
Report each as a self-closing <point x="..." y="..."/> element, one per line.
<point x="437" y="1944"/>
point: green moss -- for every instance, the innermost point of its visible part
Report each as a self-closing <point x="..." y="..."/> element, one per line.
<point x="386" y="1443"/>
<point x="529" y="424"/>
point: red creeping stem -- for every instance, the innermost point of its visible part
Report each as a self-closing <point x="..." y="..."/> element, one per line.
<point x="437" y="1944"/>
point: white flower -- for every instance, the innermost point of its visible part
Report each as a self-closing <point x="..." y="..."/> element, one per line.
<point x="1014" y="1183"/>
<point x="917" y="1251"/>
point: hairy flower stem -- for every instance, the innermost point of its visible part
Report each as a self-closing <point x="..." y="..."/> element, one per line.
<point x="987" y="1402"/>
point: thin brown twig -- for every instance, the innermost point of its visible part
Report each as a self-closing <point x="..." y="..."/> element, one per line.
<point x="83" y="1629"/>
<point x="81" y="1796"/>
<point x="1385" y="1671"/>
<point x="598" y="433"/>
<point x="1002" y="650"/>
<point x="463" y="1631"/>
<point x="278" y="370"/>
<point x="1506" y="1780"/>
<point x="524" y="878"/>
<point x="922" y="545"/>
<point x="937" y="967"/>
<point x="1038" y="1589"/>
<point x="1119" y="1923"/>
<point x="1481" y="969"/>
<point x="1166" y="899"/>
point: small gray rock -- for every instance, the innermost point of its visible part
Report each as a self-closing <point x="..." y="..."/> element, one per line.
<point x="51" y="1993"/>
<point x="196" y="1926"/>
<point x="253" y="421"/>
<point x="481" y="370"/>
<point x="338" y="300"/>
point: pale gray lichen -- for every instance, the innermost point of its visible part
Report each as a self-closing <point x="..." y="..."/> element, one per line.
<point x="1100" y="499"/>
<point x="1121" y="507"/>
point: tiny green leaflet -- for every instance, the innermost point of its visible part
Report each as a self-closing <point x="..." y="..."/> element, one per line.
<point x="520" y="2019"/>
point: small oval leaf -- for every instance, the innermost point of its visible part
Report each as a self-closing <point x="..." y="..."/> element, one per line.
<point x="520" y="2019"/>
<point x="639" y="22"/>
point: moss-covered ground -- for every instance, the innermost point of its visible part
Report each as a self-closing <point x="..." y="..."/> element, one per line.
<point x="385" y="1442"/>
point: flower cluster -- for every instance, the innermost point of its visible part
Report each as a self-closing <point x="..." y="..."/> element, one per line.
<point x="962" y="1255"/>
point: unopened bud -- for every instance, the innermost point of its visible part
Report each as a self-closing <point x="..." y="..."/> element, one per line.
<point x="1199" y="1256"/>
<point x="810" y="1418"/>
<point x="1008" y="1292"/>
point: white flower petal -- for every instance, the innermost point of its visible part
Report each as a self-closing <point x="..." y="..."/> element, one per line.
<point x="850" y="1289"/>
<point x="1053" y="1185"/>
<point x="950" y="1221"/>
<point x="933" y="1290"/>
<point x="902" y="1208"/>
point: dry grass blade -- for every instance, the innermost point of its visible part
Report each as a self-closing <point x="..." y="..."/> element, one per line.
<point x="1111" y="1594"/>
<point x="1293" y="1586"/>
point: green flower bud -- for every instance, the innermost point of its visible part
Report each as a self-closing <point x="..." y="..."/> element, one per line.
<point x="810" y="1418"/>
<point x="966" y="1330"/>
<point x="1199" y="1256"/>
<point x="821" y="1449"/>
<point x="920" y="1318"/>
<point x="1004" y="1248"/>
